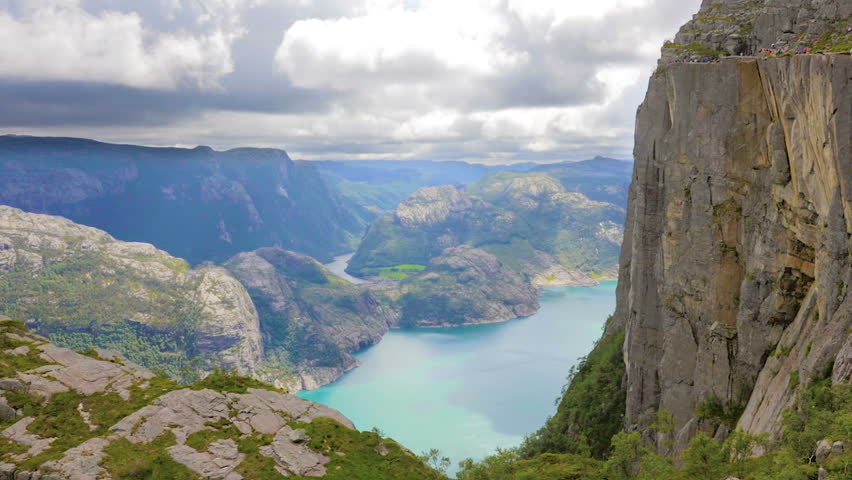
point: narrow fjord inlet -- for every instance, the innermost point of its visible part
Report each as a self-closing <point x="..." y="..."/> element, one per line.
<point x="469" y="390"/>
<point x="426" y="240"/>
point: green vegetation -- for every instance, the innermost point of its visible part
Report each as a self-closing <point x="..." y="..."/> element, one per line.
<point x="361" y="461"/>
<point x="592" y="405"/>
<point x="394" y="275"/>
<point x="835" y="39"/>
<point x="106" y="409"/>
<point x="713" y="409"/>
<point x="822" y="411"/>
<point x="82" y="302"/>
<point x="226" y="382"/>
<point x="126" y="460"/>
<point x="11" y="363"/>
<point x="696" y="49"/>
<point x="510" y="215"/>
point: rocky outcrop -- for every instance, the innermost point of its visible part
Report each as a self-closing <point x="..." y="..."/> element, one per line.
<point x="745" y="27"/>
<point x="430" y="206"/>
<point x="531" y="222"/>
<point x="735" y="269"/>
<point x="198" y="204"/>
<point x="309" y="316"/>
<point x="108" y="293"/>
<point x="221" y="430"/>
<point x="466" y="286"/>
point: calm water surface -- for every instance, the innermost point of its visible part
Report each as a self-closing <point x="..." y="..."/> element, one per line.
<point x="469" y="390"/>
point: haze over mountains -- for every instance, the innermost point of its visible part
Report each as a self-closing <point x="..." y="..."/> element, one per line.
<point x="274" y="313"/>
<point x="728" y="356"/>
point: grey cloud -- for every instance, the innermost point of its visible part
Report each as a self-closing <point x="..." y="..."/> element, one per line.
<point x="560" y="72"/>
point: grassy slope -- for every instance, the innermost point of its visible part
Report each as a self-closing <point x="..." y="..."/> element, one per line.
<point x="60" y="418"/>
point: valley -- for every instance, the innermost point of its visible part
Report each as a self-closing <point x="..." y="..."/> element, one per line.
<point x="434" y="287"/>
<point x="488" y="385"/>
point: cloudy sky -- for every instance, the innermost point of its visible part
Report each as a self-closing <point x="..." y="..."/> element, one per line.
<point x="481" y="80"/>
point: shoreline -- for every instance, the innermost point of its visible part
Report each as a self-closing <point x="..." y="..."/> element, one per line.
<point x="301" y="379"/>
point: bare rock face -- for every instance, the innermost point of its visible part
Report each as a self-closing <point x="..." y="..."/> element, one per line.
<point x="107" y="282"/>
<point x="301" y="306"/>
<point x="178" y="414"/>
<point x="431" y="206"/>
<point x="735" y="270"/>
<point x="744" y="27"/>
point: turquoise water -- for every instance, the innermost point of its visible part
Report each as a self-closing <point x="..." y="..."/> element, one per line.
<point x="469" y="390"/>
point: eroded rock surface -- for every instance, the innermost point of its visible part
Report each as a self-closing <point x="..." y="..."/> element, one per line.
<point x="106" y="285"/>
<point x="177" y="414"/>
<point x="735" y="270"/>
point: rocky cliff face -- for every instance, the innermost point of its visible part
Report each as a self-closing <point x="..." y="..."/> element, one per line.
<point x="197" y="204"/>
<point x="315" y="320"/>
<point x="82" y="287"/>
<point x="737" y="260"/>
<point x="744" y="27"/>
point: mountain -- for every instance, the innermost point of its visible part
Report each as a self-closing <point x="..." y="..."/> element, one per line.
<point x="82" y="288"/>
<point x="528" y="221"/>
<point x="197" y="204"/>
<point x="737" y="257"/>
<point x="94" y="414"/>
<point x="310" y="320"/>
<point x="270" y="314"/>
<point x="730" y="351"/>
<point x="376" y="187"/>
<point x="601" y="179"/>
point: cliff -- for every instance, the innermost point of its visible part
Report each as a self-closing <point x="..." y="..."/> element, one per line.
<point x="737" y="259"/>
<point x="82" y="288"/>
<point x="198" y="204"/>
<point x="310" y="319"/>
<point x="67" y="415"/>
<point x="529" y="221"/>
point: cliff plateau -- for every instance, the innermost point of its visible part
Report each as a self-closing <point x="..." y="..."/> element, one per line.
<point x="737" y="259"/>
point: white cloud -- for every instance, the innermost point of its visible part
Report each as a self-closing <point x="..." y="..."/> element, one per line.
<point x="448" y="79"/>
<point x="59" y="40"/>
<point x="397" y="44"/>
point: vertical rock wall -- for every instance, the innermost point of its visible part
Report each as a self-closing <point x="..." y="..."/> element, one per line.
<point x="735" y="268"/>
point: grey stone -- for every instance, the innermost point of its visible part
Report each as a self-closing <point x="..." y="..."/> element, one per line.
<point x="837" y="449"/>
<point x="7" y="412"/>
<point x="737" y="234"/>
<point x="296" y="458"/>
<point x="12" y="385"/>
<point x="219" y="462"/>
<point x="823" y="450"/>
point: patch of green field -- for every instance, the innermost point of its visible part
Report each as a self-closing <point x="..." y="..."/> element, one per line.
<point x="396" y="275"/>
<point x="408" y="266"/>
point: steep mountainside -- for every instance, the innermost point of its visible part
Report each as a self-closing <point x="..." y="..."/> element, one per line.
<point x="310" y="320"/>
<point x="197" y="204"/>
<point x="66" y="415"/>
<point x="737" y="260"/>
<point x="734" y="313"/>
<point x="529" y="221"/>
<point x="82" y="288"/>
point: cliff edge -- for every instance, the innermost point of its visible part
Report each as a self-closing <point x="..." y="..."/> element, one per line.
<point x="737" y="256"/>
